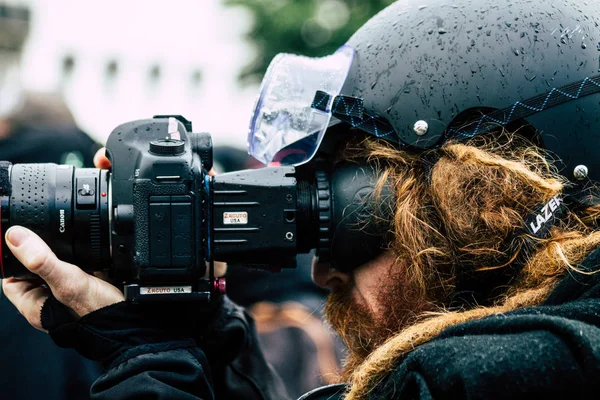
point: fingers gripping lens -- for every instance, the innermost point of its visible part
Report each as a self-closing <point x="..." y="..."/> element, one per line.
<point x="63" y="205"/>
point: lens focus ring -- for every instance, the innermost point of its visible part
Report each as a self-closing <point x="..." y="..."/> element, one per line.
<point x="32" y="195"/>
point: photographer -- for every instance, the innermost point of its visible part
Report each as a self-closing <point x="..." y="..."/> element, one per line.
<point x="469" y="270"/>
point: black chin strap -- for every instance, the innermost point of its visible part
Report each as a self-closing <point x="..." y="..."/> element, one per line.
<point x="482" y="287"/>
<point x="543" y="218"/>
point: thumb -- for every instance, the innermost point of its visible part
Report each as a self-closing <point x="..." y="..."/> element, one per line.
<point x="70" y="285"/>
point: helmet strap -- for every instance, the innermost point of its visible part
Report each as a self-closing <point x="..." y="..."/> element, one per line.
<point x="477" y="288"/>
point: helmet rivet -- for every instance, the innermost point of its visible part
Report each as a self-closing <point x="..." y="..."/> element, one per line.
<point x="580" y="172"/>
<point x="420" y="127"/>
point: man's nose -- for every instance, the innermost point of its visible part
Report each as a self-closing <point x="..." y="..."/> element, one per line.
<point x="327" y="277"/>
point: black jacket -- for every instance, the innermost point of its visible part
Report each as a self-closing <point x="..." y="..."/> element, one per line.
<point x="540" y="352"/>
<point x="32" y="367"/>
<point x="551" y="351"/>
<point x="169" y="350"/>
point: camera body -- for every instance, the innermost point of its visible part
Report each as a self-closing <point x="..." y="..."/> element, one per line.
<point x="158" y="184"/>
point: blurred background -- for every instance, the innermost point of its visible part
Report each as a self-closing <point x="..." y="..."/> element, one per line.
<point x="118" y="60"/>
<point x="71" y="71"/>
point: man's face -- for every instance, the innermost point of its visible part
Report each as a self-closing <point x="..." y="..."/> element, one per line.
<point x="370" y="304"/>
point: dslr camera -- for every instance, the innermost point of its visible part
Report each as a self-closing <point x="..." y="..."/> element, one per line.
<point x="157" y="220"/>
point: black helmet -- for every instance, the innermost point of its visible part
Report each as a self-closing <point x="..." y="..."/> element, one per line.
<point x="423" y="72"/>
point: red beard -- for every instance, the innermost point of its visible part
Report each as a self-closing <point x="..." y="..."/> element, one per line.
<point x="360" y="329"/>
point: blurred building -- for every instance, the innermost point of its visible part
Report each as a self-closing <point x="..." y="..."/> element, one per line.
<point x="119" y="60"/>
<point x="14" y="27"/>
<point x="34" y="126"/>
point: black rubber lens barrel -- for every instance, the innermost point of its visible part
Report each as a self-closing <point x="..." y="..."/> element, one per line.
<point x="66" y="206"/>
<point x="308" y="214"/>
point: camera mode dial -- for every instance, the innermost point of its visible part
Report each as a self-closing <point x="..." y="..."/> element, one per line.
<point x="167" y="147"/>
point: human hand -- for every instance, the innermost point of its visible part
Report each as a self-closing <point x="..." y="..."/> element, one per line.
<point x="100" y="159"/>
<point x="80" y="292"/>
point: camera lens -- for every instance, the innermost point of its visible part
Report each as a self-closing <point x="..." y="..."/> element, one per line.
<point x="66" y="206"/>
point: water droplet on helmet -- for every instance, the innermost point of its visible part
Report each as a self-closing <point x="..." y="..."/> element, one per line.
<point x="441" y="31"/>
<point x="516" y="52"/>
<point x="583" y="46"/>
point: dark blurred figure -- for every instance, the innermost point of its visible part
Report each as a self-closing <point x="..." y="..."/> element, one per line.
<point x="287" y="307"/>
<point x="42" y="129"/>
<point x="36" y="128"/>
